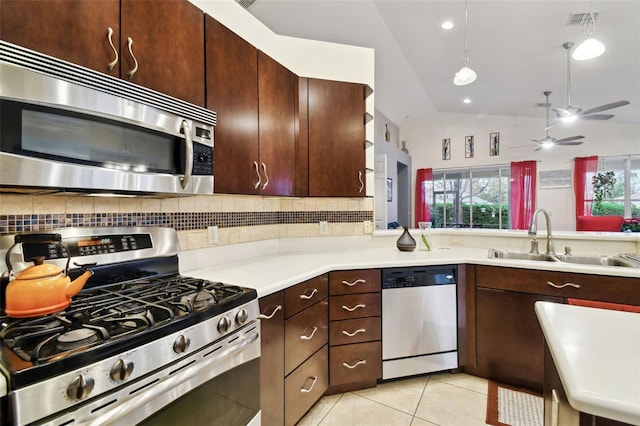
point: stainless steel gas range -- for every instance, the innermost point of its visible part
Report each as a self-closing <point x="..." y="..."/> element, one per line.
<point x="140" y="343"/>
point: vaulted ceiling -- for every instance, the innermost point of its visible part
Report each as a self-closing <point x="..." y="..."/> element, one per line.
<point x="515" y="46"/>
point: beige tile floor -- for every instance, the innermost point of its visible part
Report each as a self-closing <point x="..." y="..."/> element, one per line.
<point x="432" y="400"/>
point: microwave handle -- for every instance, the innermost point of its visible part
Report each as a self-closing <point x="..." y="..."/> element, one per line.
<point x="188" y="148"/>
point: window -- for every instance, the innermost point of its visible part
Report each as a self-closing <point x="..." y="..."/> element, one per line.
<point x="625" y="197"/>
<point x="471" y="198"/>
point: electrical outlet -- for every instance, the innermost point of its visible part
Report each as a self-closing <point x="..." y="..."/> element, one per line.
<point x="212" y="234"/>
<point x="324" y="227"/>
<point x="368" y="226"/>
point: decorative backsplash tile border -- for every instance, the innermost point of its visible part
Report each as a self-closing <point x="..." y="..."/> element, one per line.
<point x="187" y="221"/>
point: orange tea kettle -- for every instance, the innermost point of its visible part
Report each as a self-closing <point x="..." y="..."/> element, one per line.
<point x="43" y="288"/>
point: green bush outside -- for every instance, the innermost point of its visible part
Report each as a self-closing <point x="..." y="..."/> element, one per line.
<point x="484" y="216"/>
<point x="613" y="209"/>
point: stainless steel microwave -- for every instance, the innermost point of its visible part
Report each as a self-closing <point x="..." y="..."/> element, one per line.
<point x="68" y="128"/>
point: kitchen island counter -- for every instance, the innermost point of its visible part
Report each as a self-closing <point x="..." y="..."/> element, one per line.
<point x="597" y="355"/>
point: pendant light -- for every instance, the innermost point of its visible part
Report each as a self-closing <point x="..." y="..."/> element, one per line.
<point x="590" y="48"/>
<point x="466" y="75"/>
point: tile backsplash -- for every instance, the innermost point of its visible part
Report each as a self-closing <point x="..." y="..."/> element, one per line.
<point x="239" y="218"/>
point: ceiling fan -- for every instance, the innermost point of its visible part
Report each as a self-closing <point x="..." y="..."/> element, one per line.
<point x="570" y="113"/>
<point x="548" y="141"/>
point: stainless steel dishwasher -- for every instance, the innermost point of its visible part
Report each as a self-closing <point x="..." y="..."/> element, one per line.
<point x="419" y="320"/>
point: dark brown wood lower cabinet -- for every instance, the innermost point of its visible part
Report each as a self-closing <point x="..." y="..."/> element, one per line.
<point x="272" y="359"/>
<point x="357" y="363"/>
<point x="510" y="343"/>
<point x="305" y="385"/>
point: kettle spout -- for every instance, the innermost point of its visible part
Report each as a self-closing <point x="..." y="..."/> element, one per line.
<point x="76" y="285"/>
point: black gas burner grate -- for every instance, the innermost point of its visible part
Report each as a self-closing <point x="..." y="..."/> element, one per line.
<point x="104" y="314"/>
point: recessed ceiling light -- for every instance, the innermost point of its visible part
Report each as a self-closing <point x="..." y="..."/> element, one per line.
<point x="466" y="100"/>
<point x="447" y="25"/>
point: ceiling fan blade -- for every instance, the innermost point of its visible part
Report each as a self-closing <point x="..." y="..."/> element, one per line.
<point x="522" y="146"/>
<point x="606" y="107"/>
<point x="596" y="117"/>
<point x="572" y="138"/>
<point x="569" y="142"/>
<point x="561" y="111"/>
<point x="551" y="125"/>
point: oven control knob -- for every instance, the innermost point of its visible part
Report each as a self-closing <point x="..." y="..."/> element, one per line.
<point x="181" y="344"/>
<point x="241" y="316"/>
<point x="80" y="387"/>
<point x="224" y="324"/>
<point x="121" y="370"/>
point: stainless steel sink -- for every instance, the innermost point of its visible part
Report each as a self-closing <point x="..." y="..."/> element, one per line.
<point x="519" y="255"/>
<point x="597" y="260"/>
<point x="629" y="260"/>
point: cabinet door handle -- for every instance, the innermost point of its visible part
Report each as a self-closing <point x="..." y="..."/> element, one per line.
<point x="268" y="317"/>
<point x="309" y="337"/>
<point x="563" y="285"/>
<point x="113" y="63"/>
<point x="264" y="167"/>
<point x="361" y="362"/>
<point x="361" y="181"/>
<point x="255" y="164"/>
<point x="360" y="330"/>
<point x="358" y="281"/>
<point x="315" y="379"/>
<point x="307" y="297"/>
<point x="135" y="61"/>
<point x="359" y="305"/>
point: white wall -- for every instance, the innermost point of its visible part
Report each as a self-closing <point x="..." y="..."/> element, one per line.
<point x="424" y="140"/>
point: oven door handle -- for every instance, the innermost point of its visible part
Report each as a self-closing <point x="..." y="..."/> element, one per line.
<point x="169" y="384"/>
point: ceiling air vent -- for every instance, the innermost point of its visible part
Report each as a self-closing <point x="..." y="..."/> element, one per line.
<point x="581" y="18"/>
<point x="245" y="3"/>
<point x="542" y="105"/>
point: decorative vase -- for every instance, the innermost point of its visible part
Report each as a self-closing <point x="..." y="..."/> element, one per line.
<point x="387" y="133"/>
<point x="406" y="241"/>
<point x="404" y="147"/>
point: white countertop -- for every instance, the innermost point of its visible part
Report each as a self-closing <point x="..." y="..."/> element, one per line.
<point x="273" y="270"/>
<point x="597" y="355"/>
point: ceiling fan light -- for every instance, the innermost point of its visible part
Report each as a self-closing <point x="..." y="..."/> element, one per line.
<point x="568" y="118"/>
<point x="547" y="144"/>
<point x="465" y="76"/>
<point x="590" y="48"/>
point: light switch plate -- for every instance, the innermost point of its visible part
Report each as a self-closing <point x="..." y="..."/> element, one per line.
<point x="368" y="227"/>
<point x="324" y="227"/>
<point x="212" y="234"/>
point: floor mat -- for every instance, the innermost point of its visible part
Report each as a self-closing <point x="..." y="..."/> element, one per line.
<point x="511" y="406"/>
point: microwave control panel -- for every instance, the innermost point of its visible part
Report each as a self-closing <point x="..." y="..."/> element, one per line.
<point x="88" y="246"/>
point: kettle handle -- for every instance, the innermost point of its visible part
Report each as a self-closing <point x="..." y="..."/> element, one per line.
<point x="34" y="239"/>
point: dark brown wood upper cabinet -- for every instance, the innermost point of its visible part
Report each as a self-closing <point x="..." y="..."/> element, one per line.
<point x="75" y="31"/>
<point x="336" y="139"/>
<point x="168" y="45"/>
<point x="255" y="99"/>
<point x="168" y="39"/>
<point x="232" y="92"/>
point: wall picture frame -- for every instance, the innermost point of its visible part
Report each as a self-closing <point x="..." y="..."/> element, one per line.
<point x="389" y="190"/>
<point x="468" y="147"/>
<point x="446" y="149"/>
<point x="494" y="144"/>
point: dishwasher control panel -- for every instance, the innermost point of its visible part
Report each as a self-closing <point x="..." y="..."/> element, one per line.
<point x="418" y="276"/>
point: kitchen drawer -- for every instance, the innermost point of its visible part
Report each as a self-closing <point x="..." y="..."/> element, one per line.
<point x="357" y="281"/>
<point x="354" y="331"/>
<point x="591" y="287"/>
<point x="355" y="363"/>
<point x="350" y="306"/>
<point x="304" y="334"/>
<point x="305" y="294"/>
<point x="305" y="386"/>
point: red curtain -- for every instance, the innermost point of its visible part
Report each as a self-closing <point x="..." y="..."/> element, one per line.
<point x="424" y="182"/>
<point x="585" y="168"/>
<point x="523" y="193"/>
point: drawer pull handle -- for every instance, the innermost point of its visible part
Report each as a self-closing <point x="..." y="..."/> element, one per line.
<point x="305" y="297"/>
<point x="268" y="317"/>
<point x="359" y="305"/>
<point x="361" y="362"/>
<point x="354" y="283"/>
<point x="563" y="285"/>
<point x="309" y="337"/>
<point x="315" y="379"/>
<point x="360" y="330"/>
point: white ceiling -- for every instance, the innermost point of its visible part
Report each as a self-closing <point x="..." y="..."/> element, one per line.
<point x="515" y="46"/>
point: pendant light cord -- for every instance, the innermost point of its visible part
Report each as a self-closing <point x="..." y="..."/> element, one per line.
<point x="590" y="25"/>
<point x="466" y="24"/>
